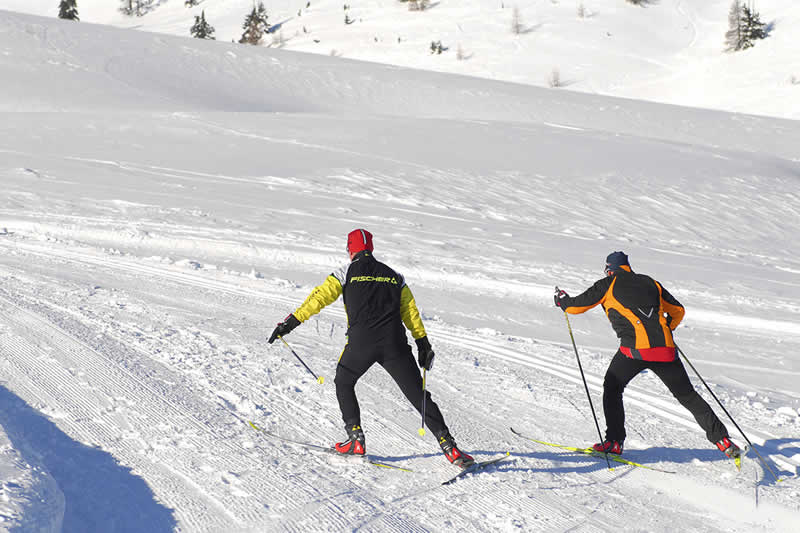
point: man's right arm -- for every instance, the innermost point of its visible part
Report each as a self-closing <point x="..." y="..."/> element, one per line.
<point x="591" y="297"/>
<point x="320" y="297"/>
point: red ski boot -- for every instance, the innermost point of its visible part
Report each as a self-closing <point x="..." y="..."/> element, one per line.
<point x="729" y="448"/>
<point x="354" y="445"/>
<point x="609" y="446"/>
<point x="453" y="454"/>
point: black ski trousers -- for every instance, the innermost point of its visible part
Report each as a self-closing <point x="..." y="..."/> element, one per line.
<point x="399" y="362"/>
<point x="623" y="369"/>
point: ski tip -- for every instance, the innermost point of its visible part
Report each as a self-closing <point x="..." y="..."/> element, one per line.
<point x="421" y="432"/>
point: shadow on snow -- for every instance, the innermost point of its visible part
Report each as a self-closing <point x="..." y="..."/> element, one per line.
<point x="99" y="493"/>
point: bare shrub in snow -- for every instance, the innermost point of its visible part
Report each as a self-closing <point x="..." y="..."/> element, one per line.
<point x="581" y="11"/>
<point x="460" y="53"/>
<point x="516" y="21"/>
<point x="554" y="80"/>
<point x="138" y="8"/>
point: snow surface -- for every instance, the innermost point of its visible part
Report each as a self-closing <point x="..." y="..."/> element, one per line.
<point x="663" y="50"/>
<point x="156" y="221"/>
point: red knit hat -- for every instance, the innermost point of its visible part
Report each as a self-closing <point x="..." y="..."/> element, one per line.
<point x="358" y="240"/>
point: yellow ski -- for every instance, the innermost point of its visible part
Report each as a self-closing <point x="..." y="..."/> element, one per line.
<point x="591" y="452"/>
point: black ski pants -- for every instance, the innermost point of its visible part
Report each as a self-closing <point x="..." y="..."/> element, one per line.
<point x="623" y="369"/>
<point x="398" y="361"/>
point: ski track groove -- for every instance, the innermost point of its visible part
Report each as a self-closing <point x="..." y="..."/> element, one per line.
<point x="662" y="407"/>
<point x="42" y="374"/>
<point x="94" y="367"/>
<point x="46" y="373"/>
<point x="551" y="510"/>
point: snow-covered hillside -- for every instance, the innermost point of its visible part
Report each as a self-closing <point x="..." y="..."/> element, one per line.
<point x="667" y="51"/>
<point x="156" y="221"/>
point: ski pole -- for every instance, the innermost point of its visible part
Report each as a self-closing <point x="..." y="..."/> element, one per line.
<point x="594" y="415"/>
<point x="421" y="430"/>
<point x="319" y="379"/>
<point x="764" y="462"/>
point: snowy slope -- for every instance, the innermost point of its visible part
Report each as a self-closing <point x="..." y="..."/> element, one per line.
<point x="153" y="236"/>
<point x="668" y="51"/>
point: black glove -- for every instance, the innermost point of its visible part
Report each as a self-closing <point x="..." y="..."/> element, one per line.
<point x="559" y="297"/>
<point x="288" y="324"/>
<point x="425" y="353"/>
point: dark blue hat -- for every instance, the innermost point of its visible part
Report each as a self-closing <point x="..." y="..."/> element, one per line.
<point x="616" y="260"/>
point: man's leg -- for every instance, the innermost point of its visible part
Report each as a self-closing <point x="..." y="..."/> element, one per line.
<point x="620" y="372"/>
<point x="352" y="365"/>
<point x="399" y="362"/>
<point x="674" y="376"/>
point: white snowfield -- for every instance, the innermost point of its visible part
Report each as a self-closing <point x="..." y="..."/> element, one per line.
<point x="670" y="51"/>
<point x="166" y="201"/>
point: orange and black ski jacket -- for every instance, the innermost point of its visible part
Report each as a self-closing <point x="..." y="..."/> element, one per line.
<point x="377" y="301"/>
<point x="641" y="311"/>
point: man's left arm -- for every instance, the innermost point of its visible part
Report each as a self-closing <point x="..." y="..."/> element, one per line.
<point x="410" y="314"/>
<point x="672" y="307"/>
<point x="413" y="321"/>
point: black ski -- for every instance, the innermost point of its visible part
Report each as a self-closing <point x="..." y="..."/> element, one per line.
<point x="476" y="467"/>
<point x="324" y="449"/>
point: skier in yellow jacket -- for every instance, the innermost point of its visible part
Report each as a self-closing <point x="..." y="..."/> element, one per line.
<point x="378" y="304"/>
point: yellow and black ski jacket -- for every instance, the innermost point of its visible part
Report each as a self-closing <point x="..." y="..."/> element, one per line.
<point x="376" y="298"/>
<point x="641" y="311"/>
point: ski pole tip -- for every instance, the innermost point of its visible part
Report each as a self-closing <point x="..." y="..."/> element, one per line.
<point x="321" y="380"/>
<point x="421" y="432"/>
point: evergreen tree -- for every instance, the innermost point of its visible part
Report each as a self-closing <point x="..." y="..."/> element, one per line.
<point x="191" y="3"/>
<point x="255" y="25"/>
<point x="744" y="27"/>
<point x="201" y="28"/>
<point x="754" y="28"/>
<point x="68" y="9"/>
